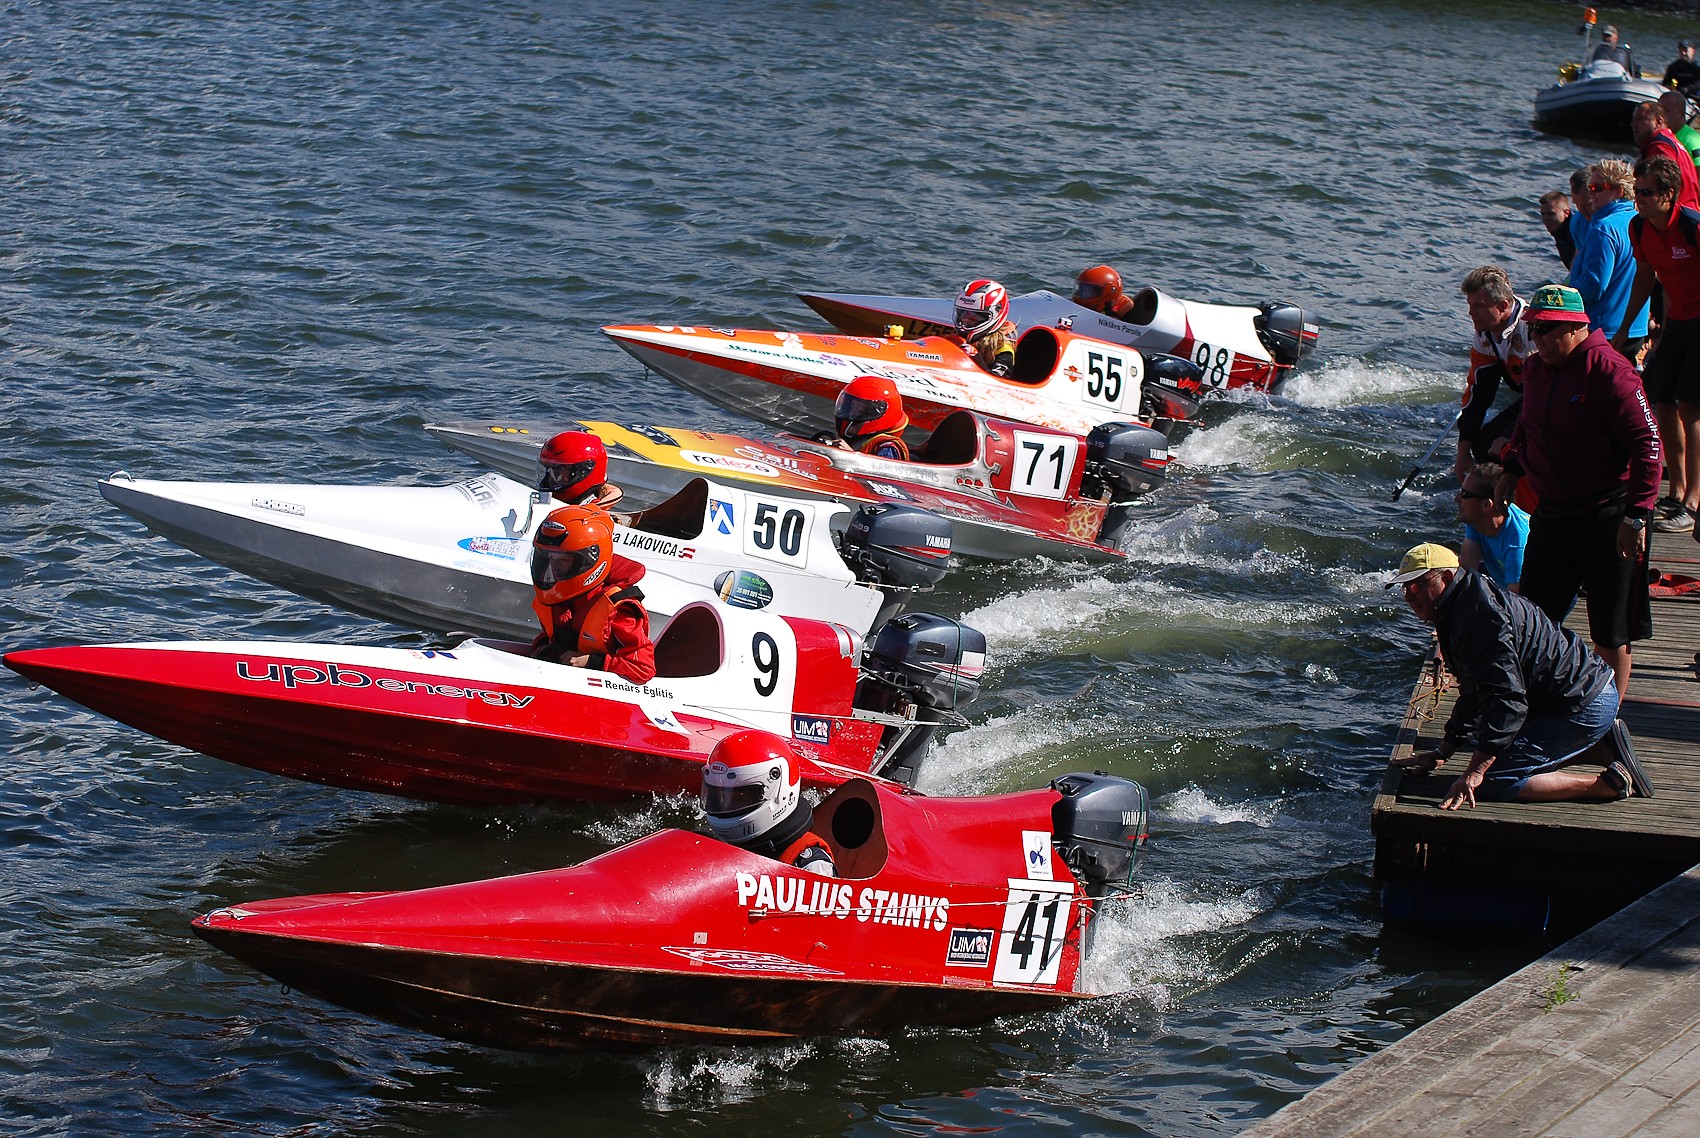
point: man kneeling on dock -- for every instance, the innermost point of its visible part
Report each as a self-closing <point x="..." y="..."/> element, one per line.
<point x="1532" y="697"/>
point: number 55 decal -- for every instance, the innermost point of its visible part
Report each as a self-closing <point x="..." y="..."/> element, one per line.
<point x="1035" y="923"/>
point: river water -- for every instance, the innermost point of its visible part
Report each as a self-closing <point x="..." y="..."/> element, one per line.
<point x="268" y="240"/>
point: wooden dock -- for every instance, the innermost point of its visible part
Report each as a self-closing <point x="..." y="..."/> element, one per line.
<point x="1580" y="860"/>
<point x="1598" y="1039"/>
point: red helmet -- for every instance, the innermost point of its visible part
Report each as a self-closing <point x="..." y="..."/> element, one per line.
<point x="1098" y="288"/>
<point x="571" y="552"/>
<point x="869" y="405"/>
<point x="750" y="785"/>
<point x="982" y="308"/>
<point x="572" y="465"/>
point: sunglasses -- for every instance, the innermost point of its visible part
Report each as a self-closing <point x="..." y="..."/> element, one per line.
<point x="1596" y="189"/>
<point x="1649" y="192"/>
<point x="1538" y="329"/>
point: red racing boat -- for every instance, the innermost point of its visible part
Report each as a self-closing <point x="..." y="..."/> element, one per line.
<point x="484" y="723"/>
<point x="945" y="912"/>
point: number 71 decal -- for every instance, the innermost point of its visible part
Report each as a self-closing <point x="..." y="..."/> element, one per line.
<point x="1044" y="464"/>
<point x="1035" y="924"/>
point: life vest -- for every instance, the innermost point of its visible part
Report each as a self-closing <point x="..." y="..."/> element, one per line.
<point x="809" y="841"/>
<point x="873" y="443"/>
<point x="589" y="626"/>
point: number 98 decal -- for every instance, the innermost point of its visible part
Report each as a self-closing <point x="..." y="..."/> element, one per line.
<point x="1035" y="924"/>
<point x="1217" y="364"/>
<point x="778" y="531"/>
<point x="1044" y="464"/>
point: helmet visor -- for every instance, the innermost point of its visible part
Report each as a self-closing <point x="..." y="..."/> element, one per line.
<point x="1087" y="293"/>
<point x="731" y="801"/>
<point x="971" y="319"/>
<point x="560" y="476"/>
<point x="854" y="411"/>
<point x="552" y="566"/>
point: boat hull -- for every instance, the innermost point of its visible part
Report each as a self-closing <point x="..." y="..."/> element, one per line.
<point x="1599" y="108"/>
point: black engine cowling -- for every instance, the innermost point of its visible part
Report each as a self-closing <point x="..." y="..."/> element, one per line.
<point x="1174" y="387"/>
<point x="1126" y="459"/>
<point x="897" y="545"/>
<point x="917" y="670"/>
<point x="1285" y="331"/>
<point x="1100" y="825"/>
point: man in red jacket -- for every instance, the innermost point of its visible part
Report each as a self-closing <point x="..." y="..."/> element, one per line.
<point x="1587" y="444"/>
<point x="587" y="597"/>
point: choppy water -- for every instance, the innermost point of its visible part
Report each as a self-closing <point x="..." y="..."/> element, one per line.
<point x="267" y="240"/>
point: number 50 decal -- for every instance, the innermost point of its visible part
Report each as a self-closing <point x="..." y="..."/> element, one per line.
<point x="1035" y="923"/>
<point x="1044" y="464"/>
<point x="777" y="531"/>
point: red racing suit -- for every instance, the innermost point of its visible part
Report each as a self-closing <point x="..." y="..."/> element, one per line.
<point x="609" y="624"/>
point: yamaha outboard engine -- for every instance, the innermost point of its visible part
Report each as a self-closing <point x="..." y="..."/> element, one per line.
<point x="1123" y="461"/>
<point x="901" y="549"/>
<point x="1173" y="388"/>
<point x="1100" y="825"/>
<point x="916" y="671"/>
<point x="1285" y="332"/>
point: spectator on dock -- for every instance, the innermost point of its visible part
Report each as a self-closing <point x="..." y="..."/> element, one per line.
<point x="1555" y="216"/>
<point x="1675" y="106"/>
<point x="1586" y="443"/>
<point x="1531" y="696"/>
<point x="1667" y="250"/>
<point x="1494" y="533"/>
<point x="1653" y="135"/>
<point x="1496" y="356"/>
<point x="1683" y="74"/>
<point x="1604" y="269"/>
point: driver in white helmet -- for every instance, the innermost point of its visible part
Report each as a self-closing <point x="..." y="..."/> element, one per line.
<point x="983" y="326"/>
<point x="752" y="793"/>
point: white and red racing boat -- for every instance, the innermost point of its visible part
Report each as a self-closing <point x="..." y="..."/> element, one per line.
<point x="456" y="558"/>
<point x="1233" y="345"/>
<point x="945" y="912"/>
<point x="790" y="380"/>
<point x="484" y="723"/>
<point x="1009" y="490"/>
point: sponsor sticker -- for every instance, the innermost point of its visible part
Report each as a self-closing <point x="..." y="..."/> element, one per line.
<point x="743" y="590"/>
<point x="720" y="516"/>
<point x="280" y="507"/>
<point x="1037" y="845"/>
<point x="970" y="948"/>
<point x="744" y="960"/>
<point x="511" y="548"/>
<point x="654" y="435"/>
<point x="887" y="490"/>
<point x="729" y="462"/>
<point x="811" y="729"/>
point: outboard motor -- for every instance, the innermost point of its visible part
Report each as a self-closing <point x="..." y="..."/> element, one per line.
<point x="916" y="671"/>
<point x="901" y="549"/>
<point x="1174" y="387"/>
<point x="1100" y="825"/>
<point x="1123" y="461"/>
<point x="1285" y="332"/>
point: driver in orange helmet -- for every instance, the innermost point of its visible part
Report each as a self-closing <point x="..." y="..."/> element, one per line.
<point x="587" y="598"/>
<point x="1100" y="289"/>
<point x="983" y="326"/>
<point x="869" y="417"/>
<point x="572" y="468"/>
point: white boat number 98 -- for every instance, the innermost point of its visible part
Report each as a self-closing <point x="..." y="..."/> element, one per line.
<point x="1044" y="464"/>
<point x="1216" y="363"/>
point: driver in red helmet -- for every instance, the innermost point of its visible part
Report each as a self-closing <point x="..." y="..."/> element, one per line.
<point x="587" y="598"/>
<point x="753" y="795"/>
<point x="1100" y="289"/>
<point x="572" y="467"/>
<point x="869" y="417"/>
<point x="983" y="326"/>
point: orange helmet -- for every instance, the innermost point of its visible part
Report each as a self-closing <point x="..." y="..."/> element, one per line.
<point x="571" y="552"/>
<point x="1098" y="288"/>
<point x="572" y="465"/>
<point x="982" y="307"/>
<point x="869" y="405"/>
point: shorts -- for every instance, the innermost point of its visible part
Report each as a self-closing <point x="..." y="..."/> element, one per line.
<point x="1672" y="371"/>
<point x="1566" y="554"/>
<point x="1546" y="743"/>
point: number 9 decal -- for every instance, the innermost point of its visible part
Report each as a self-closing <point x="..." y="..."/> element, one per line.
<point x="764" y="650"/>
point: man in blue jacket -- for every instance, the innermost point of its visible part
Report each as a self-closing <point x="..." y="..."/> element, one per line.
<point x="1531" y="696"/>
<point x="1603" y="270"/>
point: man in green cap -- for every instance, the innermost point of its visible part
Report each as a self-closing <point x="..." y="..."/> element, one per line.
<point x="1531" y="696"/>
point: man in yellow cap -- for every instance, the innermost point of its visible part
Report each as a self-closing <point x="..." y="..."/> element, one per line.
<point x="1532" y="697"/>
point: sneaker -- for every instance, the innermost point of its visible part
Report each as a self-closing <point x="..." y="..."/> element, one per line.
<point x="1624" y="751"/>
<point x="1680" y="522"/>
<point x="1666" y="506"/>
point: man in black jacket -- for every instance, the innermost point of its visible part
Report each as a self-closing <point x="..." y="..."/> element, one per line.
<point x="1532" y="697"/>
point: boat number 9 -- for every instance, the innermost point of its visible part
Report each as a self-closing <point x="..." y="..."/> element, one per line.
<point x="765" y="651"/>
<point x="1035" y="922"/>
<point x="1044" y="464"/>
<point x="1217" y="364"/>
<point x="777" y="533"/>
<point x="1105" y="378"/>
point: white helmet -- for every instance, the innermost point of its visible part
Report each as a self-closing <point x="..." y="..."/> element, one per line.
<point x="751" y="785"/>
<point x="982" y="307"/>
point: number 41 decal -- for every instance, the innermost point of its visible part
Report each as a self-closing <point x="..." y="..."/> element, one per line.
<point x="1035" y="923"/>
